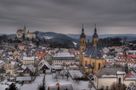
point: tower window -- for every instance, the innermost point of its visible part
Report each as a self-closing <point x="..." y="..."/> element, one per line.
<point x="99" y="66"/>
<point x="85" y="63"/>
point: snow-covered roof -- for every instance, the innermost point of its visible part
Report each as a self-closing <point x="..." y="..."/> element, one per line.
<point x="23" y="79"/>
<point x="57" y="67"/>
<point x="63" y="54"/>
<point x="31" y="67"/>
<point x="13" y="62"/>
<point x="23" y="67"/>
<point x="1" y="61"/>
<point x="83" y="85"/>
<point x="42" y="63"/>
<point x="107" y="76"/>
<point x="62" y="86"/>
<point x="130" y="76"/>
<point x="120" y="73"/>
<point x="75" y="73"/>
<point x="28" y="58"/>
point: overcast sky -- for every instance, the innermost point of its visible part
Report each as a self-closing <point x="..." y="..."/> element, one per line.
<point x="67" y="16"/>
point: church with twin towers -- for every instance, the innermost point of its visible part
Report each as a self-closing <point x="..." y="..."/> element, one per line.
<point x="91" y="60"/>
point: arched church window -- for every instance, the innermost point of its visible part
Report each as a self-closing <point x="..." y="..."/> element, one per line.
<point x="99" y="66"/>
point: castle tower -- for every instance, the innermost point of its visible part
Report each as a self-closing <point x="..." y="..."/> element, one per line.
<point x="82" y="41"/>
<point x="95" y="37"/>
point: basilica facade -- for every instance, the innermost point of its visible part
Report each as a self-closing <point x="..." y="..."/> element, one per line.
<point x="91" y="60"/>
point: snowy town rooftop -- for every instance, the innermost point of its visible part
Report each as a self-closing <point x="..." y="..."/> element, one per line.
<point x="109" y="71"/>
<point x="64" y="54"/>
<point x="28" y="58"/>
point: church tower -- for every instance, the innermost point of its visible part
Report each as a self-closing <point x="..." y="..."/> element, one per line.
<point x="82" y="41"/>
<point x="95" y="37"/>
<point x="91" y="61"/>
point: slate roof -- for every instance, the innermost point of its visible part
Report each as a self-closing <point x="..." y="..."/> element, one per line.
<point x="109" y="71"/>
<point x="94" y="52"/>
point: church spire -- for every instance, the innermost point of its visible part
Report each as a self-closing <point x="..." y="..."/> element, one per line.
<point x="95" y="29"/>
<point x="82" y="34"/>
<point x="82" y="28"/>
<point x="95" y="37"/>
<point x="82" y="40"/>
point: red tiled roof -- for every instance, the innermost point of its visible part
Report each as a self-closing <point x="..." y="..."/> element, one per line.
<point x="130" y="75"/>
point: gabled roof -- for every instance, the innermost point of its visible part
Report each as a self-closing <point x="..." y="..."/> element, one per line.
<point x="30" y="67"/>
<point x="43" y="63"/>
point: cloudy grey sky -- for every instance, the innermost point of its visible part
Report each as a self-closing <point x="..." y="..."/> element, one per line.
<point x="66" y="16"/>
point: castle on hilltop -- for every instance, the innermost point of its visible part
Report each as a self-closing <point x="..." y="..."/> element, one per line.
<point x="25" y="34"/>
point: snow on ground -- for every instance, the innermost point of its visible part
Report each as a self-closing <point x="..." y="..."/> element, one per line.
<point x="34" y="85"/>
<point x="2" y="87"/>
<point x="5" y="84"/>
<point x="82" y="85"/>
<point x="48" y="37"/>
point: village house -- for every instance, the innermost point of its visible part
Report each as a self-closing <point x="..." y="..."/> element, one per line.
<point x="40" y="54"/>
<point x="25" y="70"/>
<point x="109" y="75"/>
<point x="10" y="68"/>
<point x="63" y="57"/>
<point x="28" y="60"/>
<point x="44" y="65"/>
<point x="29" y="70"/>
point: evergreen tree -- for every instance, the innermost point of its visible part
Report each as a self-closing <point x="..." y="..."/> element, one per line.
<point x="41" y="87"/>
<point x="12" y="87"/>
